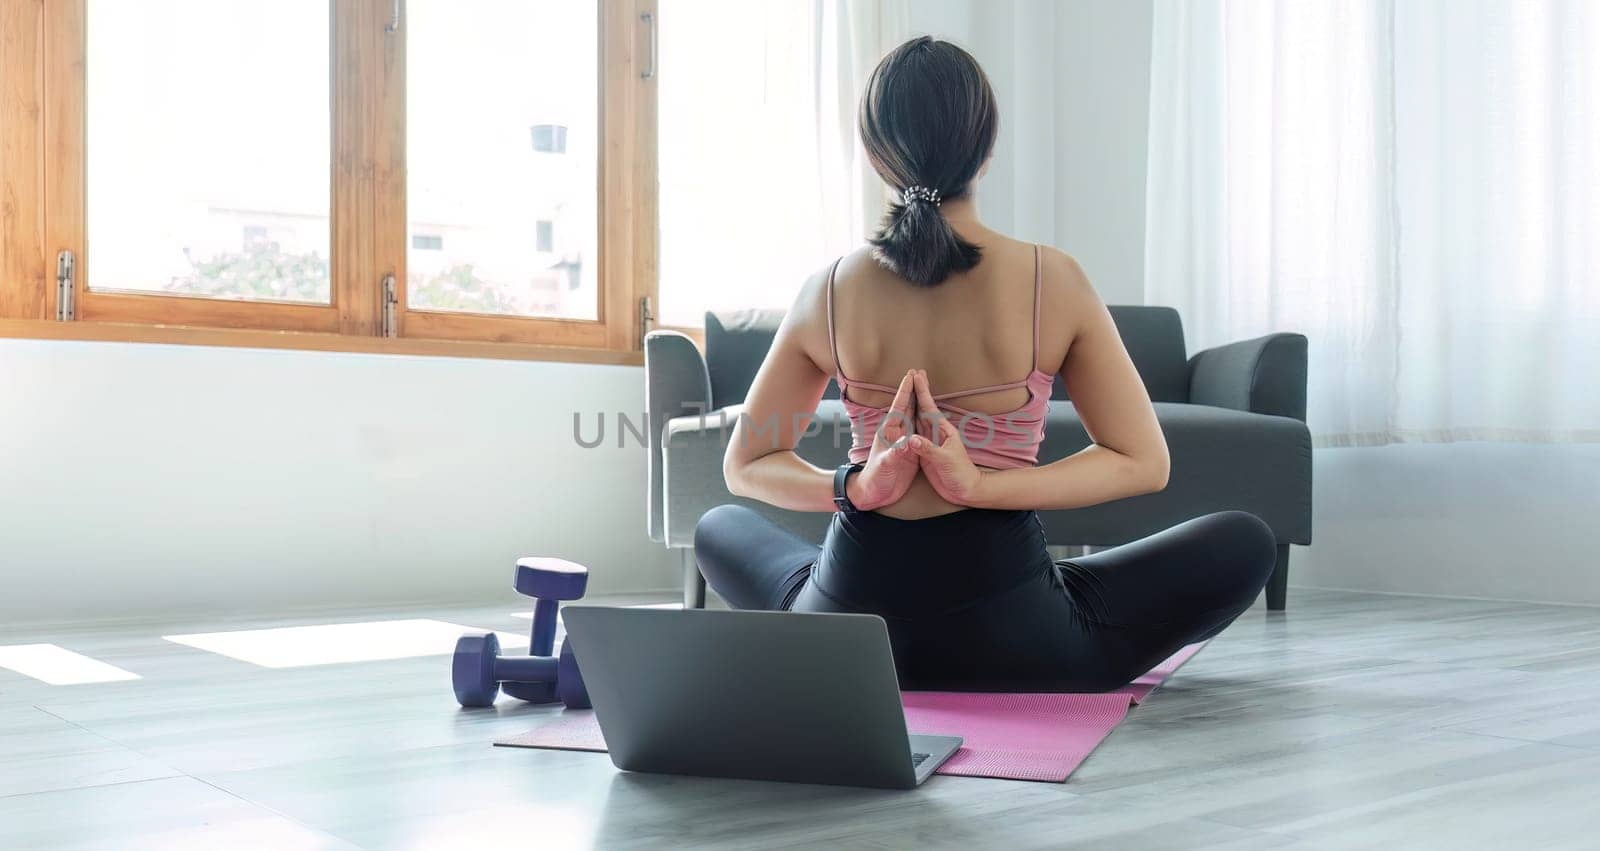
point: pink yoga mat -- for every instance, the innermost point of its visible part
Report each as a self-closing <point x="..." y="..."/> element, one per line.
<point x="1010" y="736"/>
<point x="1141" y="689"/>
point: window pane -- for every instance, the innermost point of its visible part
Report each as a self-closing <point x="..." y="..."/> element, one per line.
<point x="502" y="106"/>
<point x="208" y="148"/>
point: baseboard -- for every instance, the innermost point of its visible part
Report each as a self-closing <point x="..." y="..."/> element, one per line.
<point x="1447" y="596"/>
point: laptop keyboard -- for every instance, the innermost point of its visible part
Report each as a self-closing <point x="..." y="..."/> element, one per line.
<point x="917" y="758"/>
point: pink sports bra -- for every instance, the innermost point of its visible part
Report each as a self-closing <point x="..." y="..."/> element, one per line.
<point x="997" y="441"/>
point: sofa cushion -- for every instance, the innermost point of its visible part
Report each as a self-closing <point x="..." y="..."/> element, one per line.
<point x="737" y="342"/>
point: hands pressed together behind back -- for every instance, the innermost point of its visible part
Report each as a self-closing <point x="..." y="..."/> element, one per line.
<point x="915" y="438"/>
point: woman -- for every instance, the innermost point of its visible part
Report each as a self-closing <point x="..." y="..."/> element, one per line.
<point x="945" y="337"/>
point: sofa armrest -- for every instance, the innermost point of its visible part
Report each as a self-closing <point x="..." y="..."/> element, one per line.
<point x="675" y="383"/>
<point x="692" y="482"/>
<point x="1266" y="375"/>
<point x="691" y="461"/>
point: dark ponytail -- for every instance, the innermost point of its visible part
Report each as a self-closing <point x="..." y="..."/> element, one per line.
<point x="928" y="122"/>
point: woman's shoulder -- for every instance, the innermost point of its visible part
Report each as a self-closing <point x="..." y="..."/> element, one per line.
<point x="857" y="265"/>
<point x="1062" y="280"/>
<point x="808" y="320"/>
<point x="1057" y="268"/>
<point x="1067" y="300"/>
<point x="810" y="312"/>
<point x="1064" y="284"/>
<point x="837" y="273"/>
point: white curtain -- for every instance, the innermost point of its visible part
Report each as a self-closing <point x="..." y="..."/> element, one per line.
<point x="1414" y="185"/>
<point x="762" y="175"/>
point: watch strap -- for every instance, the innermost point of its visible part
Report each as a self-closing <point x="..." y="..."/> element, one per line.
<point x="841" y="499"/>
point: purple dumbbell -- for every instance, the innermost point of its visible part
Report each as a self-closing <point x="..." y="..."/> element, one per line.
<point x="479" y="673"/>
<point x="548" y="581"/>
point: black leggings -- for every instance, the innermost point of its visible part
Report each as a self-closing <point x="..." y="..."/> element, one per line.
<point x="974" y="602"/>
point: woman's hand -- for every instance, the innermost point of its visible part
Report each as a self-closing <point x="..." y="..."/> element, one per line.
<point x="891" y="465"/>
<point x="940" y="453"/>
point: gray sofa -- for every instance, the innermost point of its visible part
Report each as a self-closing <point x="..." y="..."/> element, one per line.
<point x="1234" y="418"/>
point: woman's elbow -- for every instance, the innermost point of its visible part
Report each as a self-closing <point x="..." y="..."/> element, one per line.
<point x="739" y="472"/>
<point x="1147" y="469"/>
<point x="1157" y="468"/>
<point x="733" y="475"/>
<point x="738" y="487"/>
<point x="1160" y="470"/>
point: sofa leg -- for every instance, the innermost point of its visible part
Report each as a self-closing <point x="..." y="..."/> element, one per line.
<point x="694" y="585"/>
<point x="1278" y="583"/>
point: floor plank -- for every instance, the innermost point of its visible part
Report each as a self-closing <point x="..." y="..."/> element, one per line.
<point x="178" y="812"/>
<point x="43" y="753"/>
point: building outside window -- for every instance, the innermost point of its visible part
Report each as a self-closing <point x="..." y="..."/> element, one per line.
<point x="550" y="138"/>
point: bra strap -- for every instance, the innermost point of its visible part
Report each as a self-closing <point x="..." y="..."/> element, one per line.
<point x="1038" y="286"/>
<point x="833" y="344"/>
<point x="990" y="388"/>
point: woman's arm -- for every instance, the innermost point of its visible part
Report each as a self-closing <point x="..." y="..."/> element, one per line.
<point x="1128" y="455"/>
<point x="761" y="462"/>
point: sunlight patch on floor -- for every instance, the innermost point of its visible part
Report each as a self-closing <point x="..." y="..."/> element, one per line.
<point x="59" y="666"/>
<point x="330" y="644"/>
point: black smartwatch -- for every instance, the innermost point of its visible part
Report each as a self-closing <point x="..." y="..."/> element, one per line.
<point x="841" y="499"/>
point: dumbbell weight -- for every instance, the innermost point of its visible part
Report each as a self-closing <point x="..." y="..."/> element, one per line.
<point x="478" y="672"/>
<point x="569" y="680"/>
<point x="549" y="581"/>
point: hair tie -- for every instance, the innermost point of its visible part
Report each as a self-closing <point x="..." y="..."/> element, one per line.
<point x="919" y="193"/>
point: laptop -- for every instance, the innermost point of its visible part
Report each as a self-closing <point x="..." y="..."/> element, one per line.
<point x="802" y="698"/>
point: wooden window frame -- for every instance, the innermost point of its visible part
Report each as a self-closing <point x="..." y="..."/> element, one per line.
<point x="42" y="142"/>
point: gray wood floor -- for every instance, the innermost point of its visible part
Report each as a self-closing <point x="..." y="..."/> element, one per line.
<point x="1353" y="721"/>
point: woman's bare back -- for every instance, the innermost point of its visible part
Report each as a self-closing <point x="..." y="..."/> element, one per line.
<point x="974" y="330"/>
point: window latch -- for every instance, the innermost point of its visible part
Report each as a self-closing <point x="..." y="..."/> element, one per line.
<point x="66" y="264"/>
<point x="390" y="300"/>
<point x="649" y="20"/>
<point x="647" y="316"/>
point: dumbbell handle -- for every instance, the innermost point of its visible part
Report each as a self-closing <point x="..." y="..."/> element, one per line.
<point x="526" y="669"/>
<point x="542" y="639"/>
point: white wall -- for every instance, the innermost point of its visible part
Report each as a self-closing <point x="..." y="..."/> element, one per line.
<point x="1509" y="521"/>
<point x="143" y="479"/>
